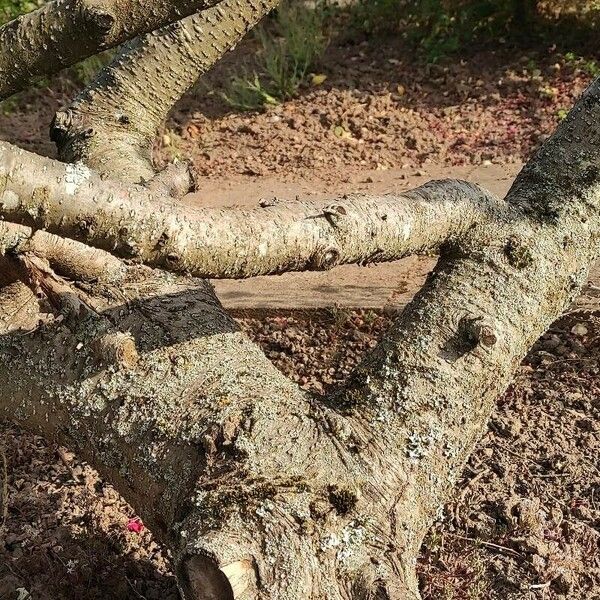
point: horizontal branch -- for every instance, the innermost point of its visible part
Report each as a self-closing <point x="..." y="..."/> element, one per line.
<point x="63" y="32"/>
<point x="128" y="221"/>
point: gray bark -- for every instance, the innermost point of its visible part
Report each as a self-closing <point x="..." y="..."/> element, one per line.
<point x="63" y="32"/>
<point x="113" y="123"/>
<point x="259" y="487"/>
<point x="260" y="490"/>
<point x="130" y="222"/>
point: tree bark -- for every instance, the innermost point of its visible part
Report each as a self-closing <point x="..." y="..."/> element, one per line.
<point x="113" y="123"/>
<point x="262" y="491"/>
<point x="128" y="221"/>
<point x="63" y="32"/>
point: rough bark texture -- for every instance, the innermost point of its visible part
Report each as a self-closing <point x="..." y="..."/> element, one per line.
<point x="63" y="32"/>
<point x="263" y="492"/>
<point x="113" y="123"/>
<point x="18" y="307"/>
<point x="67" y="257"/>
<point x="260" y="490"/>
<point x="128" y="221"/>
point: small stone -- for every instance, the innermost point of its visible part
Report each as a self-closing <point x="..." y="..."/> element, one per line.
<point x="550" y="343"/>
<point x="563" y="583"/>
<point x="579" y="330"/>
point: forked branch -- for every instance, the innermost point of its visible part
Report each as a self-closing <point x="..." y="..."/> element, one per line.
<point x="69" y="258"/>
<point x="112" y="125"/>
<point x="63" y="32"/>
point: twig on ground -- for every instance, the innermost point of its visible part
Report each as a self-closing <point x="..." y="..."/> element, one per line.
<point x="488" y="544"/>
<point x="4" y="490"/>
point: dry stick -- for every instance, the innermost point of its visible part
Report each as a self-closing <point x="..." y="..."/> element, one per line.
<point x="487" y="544"/>
<point x="63" y="32"/>
<point x="4" y="490"/>
<point x="72" y="201"/>
<point x="112" y="124"/>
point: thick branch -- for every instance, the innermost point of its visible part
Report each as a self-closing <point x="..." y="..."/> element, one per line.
<point x="240" y="472"/>
<point x="423" y="396"/>
<point x="111" y="126"/>
<point x="74" y="202"/>
<point x="63" y="32"/>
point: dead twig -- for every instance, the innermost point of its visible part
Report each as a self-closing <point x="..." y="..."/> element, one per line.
<point x="3" y="490"/>
<point x="488" y="544"/>
<point x="135" y="591"/>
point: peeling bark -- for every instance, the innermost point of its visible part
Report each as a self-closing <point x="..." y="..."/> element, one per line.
<point x="63" y="32"/>
<point x="111" y="126"/>
<point x="18" y="307"/>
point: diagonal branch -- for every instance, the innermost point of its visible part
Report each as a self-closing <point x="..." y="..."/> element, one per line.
<point x="241" y="472"/>
<point x="63" y="32"/>
<point x="421" y="399"/>
<point x="111" y="126"/>
<point x="128" y="221"/>
<point x="69" y="258"/>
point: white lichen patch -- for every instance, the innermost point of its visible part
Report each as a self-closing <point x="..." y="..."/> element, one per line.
<point x="9" y="200"/>
<point x="199" y="497"/>
<point x="348" y="544"/>
<point x="75" y="176"/>
<point x="352" y="539"/>
<point x="330" y="541"/>
<point x="265" y="510"/>
<point x="263" y="249"/>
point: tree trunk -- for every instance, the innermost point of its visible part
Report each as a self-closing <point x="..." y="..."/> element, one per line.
<point x="260" y="490"/>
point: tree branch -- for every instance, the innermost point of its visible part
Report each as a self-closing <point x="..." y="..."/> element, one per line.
<point x="420" y="400"/>
<point x="240" y="472"/>
<point x="67" y="257"/>
<point x="63" y="32"/>
<point x="111" y="126"/>
<point x="128" y="221"/>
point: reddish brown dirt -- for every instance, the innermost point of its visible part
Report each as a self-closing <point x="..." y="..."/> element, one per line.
<point x="492" y="106"/>
<point x="525" y="521"/>
<point x="395" y="112"/>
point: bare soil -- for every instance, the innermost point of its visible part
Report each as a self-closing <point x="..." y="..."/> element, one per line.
<point x="379" y="109"/>
<point x="525" y="518"/>
<point x="524" y="521"/>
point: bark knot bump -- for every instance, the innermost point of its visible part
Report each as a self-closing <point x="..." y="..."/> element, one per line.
<point x="98" y="15"/>
<point x="325" y="258"/>
<point x="481" y="332"/>
<point x="517" y="253"/>
<point x="472" y="332"/>
<point x="116" y="349"/>
<point x="60" y="126"/>
<point x="333" y="213"/>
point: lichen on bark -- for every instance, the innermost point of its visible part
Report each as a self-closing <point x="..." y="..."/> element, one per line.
<point x="260" y="490"/>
